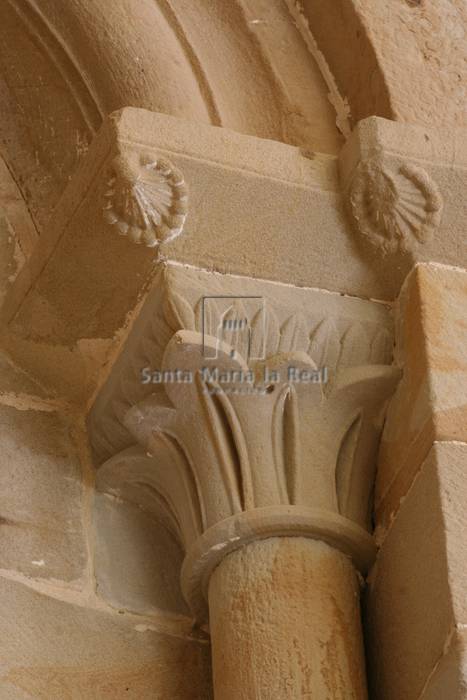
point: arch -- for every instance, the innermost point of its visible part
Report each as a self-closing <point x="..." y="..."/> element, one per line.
<point x="64" y="66"/>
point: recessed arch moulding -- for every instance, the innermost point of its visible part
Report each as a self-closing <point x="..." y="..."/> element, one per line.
<point x="309" y="60"/>
<point x="65" y="66"/>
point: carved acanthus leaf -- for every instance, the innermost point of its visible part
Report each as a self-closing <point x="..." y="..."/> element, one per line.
<point x="178" y="312"/>
<point x="332" y="340"/>
<point x="294" y="334"/>
<point x="324" y="345"/>
<point x="243" y="461"/>
<point x="163" y="485"/>
<point x="351" y="345"/>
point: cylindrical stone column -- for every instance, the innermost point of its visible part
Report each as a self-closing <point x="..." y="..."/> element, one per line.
<point x="285" y="623"/>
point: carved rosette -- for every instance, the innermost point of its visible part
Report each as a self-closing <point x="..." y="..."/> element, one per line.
<point x="146" y="200"/>
<point x="237" y="456"/>
<point x="395" y="208"/>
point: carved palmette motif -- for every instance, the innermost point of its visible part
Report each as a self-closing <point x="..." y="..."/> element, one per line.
<point x="146" y="201"/>
<point x="395" y="208"/>
<point x="250" y="441"/>
<point x="322" y="340"/>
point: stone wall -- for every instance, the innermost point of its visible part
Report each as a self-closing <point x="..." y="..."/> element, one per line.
<point x="416" y="603"/>
<point x="75" y="622"/>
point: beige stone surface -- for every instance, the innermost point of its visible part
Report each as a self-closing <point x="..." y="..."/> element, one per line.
<point x="11" y="255"/>
<point x="269" y="239"/>
<point x="41" y="529"/>
<point x="249" y="432"/>
<point x="14" y="381"/>
<point x="51" y="650"/>
<point x="285" y="623"/>
<point x="182" y="73"/>
<point x="341" y="35"/>
<point x="449" y="677"/>
<point x="421" y="50"/>
<point x="403" y="60"/>
<point x="18" y="235"/>
<point x="46" y="123"/>
<point x="431" y="400"/>
<point x="416" y="605"/>
<point x="137" y="561"/>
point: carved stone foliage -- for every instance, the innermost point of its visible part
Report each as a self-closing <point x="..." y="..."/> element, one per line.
<point x="237" y="450"/>
<point x="262" y="421"/>
<point x="252" y="437"/>
<point x="395" y="208"/>
<point x="323" y="326"/>
<point x="146" y="200"/>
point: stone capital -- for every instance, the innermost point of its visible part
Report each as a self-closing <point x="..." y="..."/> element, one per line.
<point x="245" y="432"/>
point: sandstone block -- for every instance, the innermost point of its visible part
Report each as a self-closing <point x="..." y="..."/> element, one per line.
<point x="416" y="599"/>
<point x="430" y="403"/>
<point x="52" y="650"/>
<point x="14" y="380"/>
<point x="40" y="481"/>
<point x="449" y="677"/>
<point x="137" y="561"/>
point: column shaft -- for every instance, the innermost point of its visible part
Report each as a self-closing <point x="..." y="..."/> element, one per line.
<point x="285" y="623"/>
